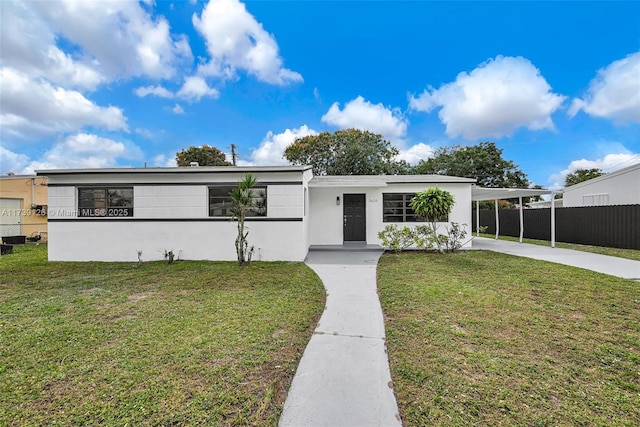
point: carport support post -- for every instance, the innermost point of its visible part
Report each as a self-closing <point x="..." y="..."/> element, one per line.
<point x="478" y="218"/>
<point x="497" y="219"/>
<point x="553" y="220"/>
<point x="521" y="219"/>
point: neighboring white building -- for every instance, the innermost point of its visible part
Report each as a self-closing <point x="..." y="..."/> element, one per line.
<point x="617" y="188"/>
<point x="542" y="204"/>
<point x="110" y="214"/>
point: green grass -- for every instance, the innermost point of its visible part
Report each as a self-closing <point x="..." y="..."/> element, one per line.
<point x="192" y="343"/>
<point x="482" y="338"/>
<point x="632" y="254"/>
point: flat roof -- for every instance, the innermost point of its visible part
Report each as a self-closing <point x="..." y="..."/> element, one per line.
<point x="17" y="176"/>
<point x="604" y="177"/>
<point x="382" y="180"/>
<point x="185" y="169"/>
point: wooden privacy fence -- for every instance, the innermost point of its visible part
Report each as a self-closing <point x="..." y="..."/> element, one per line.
<point x="611" y="226"/>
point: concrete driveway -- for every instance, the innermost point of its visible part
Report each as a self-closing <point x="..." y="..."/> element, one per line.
<point x="343" y="378"/>
<point x="613" y="266"/>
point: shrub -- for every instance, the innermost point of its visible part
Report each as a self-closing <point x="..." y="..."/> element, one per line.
<point x="423" y="237"/>
<point x="396" y="239"/>
<point x="455" y="236"/>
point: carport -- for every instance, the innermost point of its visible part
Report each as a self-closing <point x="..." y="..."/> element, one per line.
<point x="479" y="194"/>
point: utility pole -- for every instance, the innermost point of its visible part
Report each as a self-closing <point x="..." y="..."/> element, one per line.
<point x="234" y="156"/>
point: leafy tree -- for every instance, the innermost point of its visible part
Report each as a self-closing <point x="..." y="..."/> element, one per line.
<point x="433" y="205"/>
<point x="243" y="201"/>
<point x="582" y="175"/>
<point x="483" y="162"/>
<point x="346" y="152"/>
<point x="205" y="155"/>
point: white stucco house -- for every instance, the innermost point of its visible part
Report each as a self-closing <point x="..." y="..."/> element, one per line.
<point x="621" y="187"/>
<point x="110" y="214"/>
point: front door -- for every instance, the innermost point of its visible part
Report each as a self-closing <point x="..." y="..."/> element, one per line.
<point x="355" y="229"/>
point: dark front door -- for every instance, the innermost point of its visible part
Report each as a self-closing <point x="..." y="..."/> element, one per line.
<point x="354" y="218"/>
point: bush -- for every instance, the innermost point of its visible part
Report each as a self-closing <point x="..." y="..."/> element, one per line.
<point x="423" y="237"/>
<point x="455" y="236"/>
<point x="396" y="239"/>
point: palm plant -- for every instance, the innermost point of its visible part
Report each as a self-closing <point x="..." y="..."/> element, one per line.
<point x="243" y="202"/>
<point x="433" y="205"/>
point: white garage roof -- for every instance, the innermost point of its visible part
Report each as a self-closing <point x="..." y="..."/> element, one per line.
<point x="484" y="193"/>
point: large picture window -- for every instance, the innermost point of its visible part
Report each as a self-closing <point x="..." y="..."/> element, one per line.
<point x="220" y="203"/>
<point x="396" y="207"/>
<point x="105" y="202"/>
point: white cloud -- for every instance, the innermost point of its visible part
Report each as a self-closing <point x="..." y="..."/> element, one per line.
<point x="414" y="154"/>
<point x="609" y="163"/>
<point x="361" y="114"/>
<point x="498" y="97"/>
<point x="146" y="133"/>
<point x="236" y="41"/>
<point x="614" y="93"/>
<point x="121" y="37"/>
<point x="11" y="162"/>
<point x="194" y="88"/>
<point x="29" y="45"/>
<point x="164" y="161"/>
<point x="157" y="90"/>
<point x="271" y="149"/>
<point x="107" y="40"/>
<point x="84" y="150"/>
<point x="177" y="109"/>
<point x="36" y="108"/>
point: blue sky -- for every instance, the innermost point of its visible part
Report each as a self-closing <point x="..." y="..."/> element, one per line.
<point x="109" y="84"/>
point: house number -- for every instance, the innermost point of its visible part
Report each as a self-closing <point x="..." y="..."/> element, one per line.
<point x="373" y="200"/>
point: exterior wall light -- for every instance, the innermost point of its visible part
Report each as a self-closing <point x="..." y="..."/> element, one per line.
<point x="338" y="201"/>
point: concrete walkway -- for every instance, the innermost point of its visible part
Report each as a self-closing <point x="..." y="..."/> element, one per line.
<point x="613" y="266"/>
<point x="343" y="378"/>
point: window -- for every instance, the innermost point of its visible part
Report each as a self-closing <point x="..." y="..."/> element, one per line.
<point x="105" y="202"/>
<point x="595" y="199"/>
<point x="220" y="201"/>
<point x="396" y="208"/>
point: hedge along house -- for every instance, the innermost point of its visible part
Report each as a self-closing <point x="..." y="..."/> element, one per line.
<point x="110" y="214"/>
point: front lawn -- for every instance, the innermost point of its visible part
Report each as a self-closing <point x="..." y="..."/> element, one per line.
<point x="483" y="338"/>
<point x="191" y="343"/>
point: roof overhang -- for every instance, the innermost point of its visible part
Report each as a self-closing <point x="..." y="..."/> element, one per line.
<point x="350" y="181"/>
<point x="172" y="170"/>
<point x="381" y="181"/>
